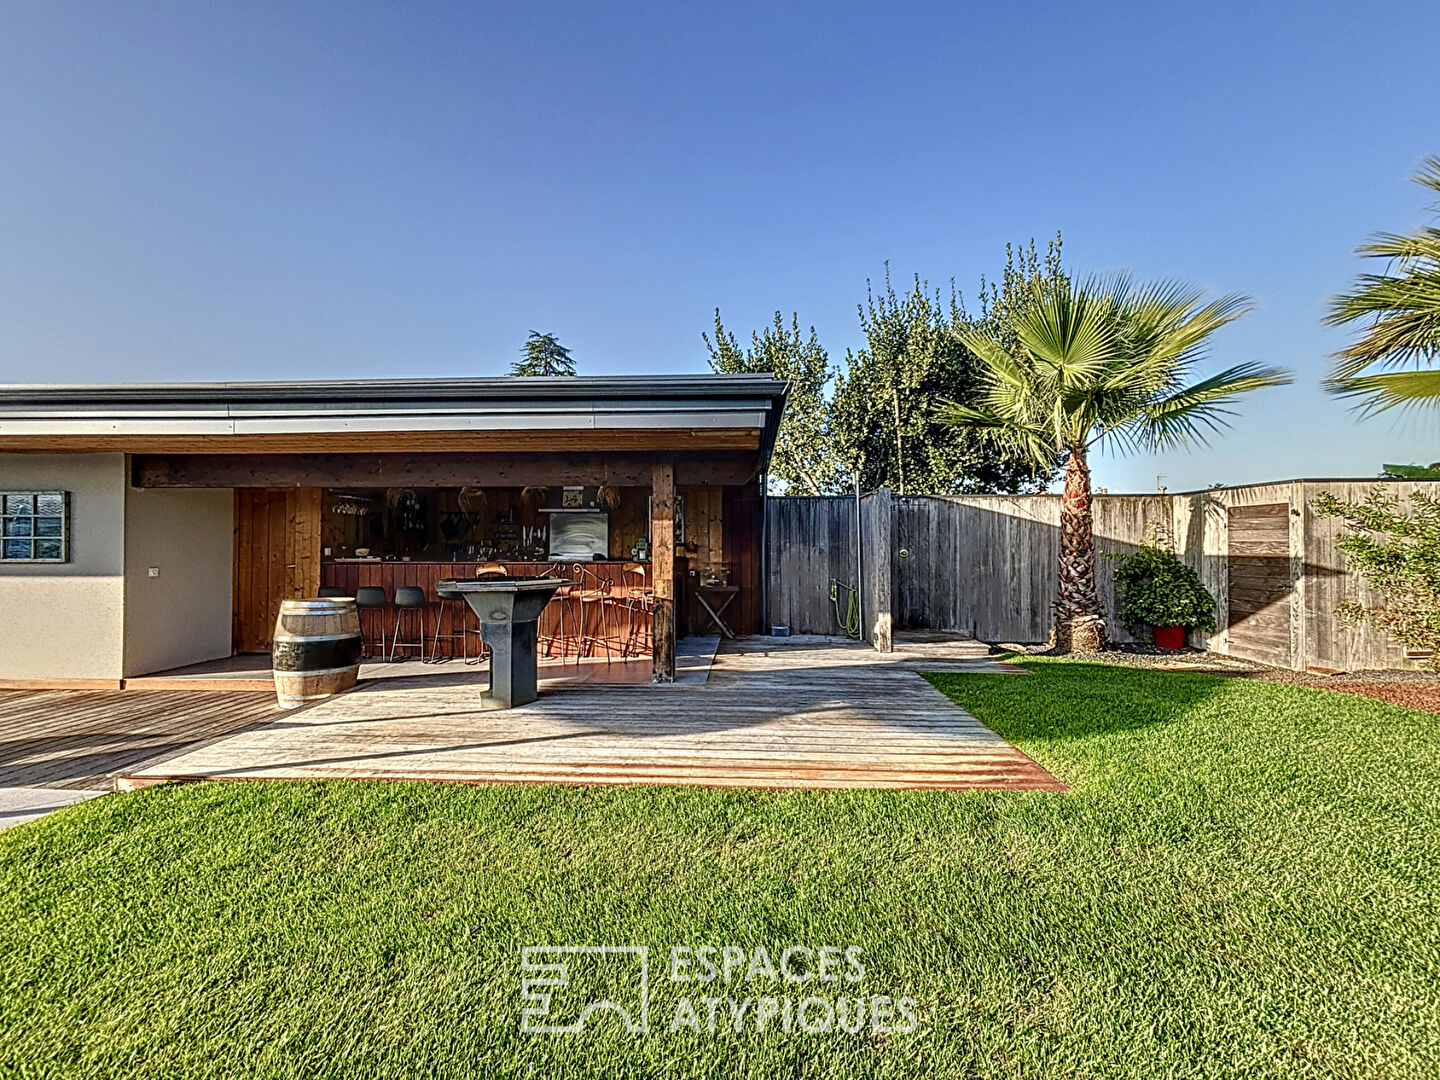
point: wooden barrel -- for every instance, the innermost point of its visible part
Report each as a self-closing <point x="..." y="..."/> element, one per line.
<point x="316" y="652"/>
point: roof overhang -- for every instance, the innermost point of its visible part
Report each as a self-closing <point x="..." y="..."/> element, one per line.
<point x="662" y="413"/>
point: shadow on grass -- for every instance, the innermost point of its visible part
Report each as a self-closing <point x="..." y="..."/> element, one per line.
<point x="1076" y="700"/>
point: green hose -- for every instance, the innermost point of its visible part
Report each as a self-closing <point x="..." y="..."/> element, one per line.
<point x="849" y="617"/>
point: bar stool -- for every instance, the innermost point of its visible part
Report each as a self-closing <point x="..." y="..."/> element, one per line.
<point x="458" y="610"/>
<point x="488" y="570"/>
<point x="330" y="592"/>
<point x="566" y="601"/>
<point x="596" y="599"/>
<point x="640" y="601"/>
<point x="409" y="601"/>
<point x="372" y="598"/>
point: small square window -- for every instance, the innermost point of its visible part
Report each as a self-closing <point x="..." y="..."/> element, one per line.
<point x="34" y="526"/>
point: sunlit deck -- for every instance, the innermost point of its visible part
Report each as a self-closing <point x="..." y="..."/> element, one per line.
<point x="802" y="714"/>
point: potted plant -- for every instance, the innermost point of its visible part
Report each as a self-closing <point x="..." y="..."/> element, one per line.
<point x="1157" y="590"/>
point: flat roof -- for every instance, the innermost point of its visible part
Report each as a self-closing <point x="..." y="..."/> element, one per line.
<point x="361" y="391"/>
<point x="699" y="412"/>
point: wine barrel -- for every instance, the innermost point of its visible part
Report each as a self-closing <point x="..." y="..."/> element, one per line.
<point x="316" y="651"/>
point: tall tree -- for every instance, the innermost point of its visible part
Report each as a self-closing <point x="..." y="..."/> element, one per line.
<point x="543" y="355"/>
<point x="1400" y="311"/>
<point x="804" y="459"/>
<point x="886" y="413"/>
<point x="1095" y="362"/>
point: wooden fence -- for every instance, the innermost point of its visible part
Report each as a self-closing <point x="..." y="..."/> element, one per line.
<point x="984" y="565"/>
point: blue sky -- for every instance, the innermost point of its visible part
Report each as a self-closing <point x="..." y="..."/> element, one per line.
<point x="357" y="189"/>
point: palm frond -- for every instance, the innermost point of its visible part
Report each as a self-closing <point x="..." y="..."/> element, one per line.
<point x="1423" y="245"/>
<point x="1069" y="329"/>
<point x="1400" y="313"/>
<point x="1103" y="359"/>
<point x="1031" y="439"/>
<point x="1185" y="417"/>
<point x="1397" y="389"/>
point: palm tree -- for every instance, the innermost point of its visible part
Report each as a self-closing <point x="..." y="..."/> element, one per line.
<point x="1402" y="310"/>
<point x="1096" y="361"/>
<point x="543" y="355"/>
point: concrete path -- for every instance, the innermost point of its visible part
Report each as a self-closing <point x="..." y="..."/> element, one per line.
<point x="21" y="804"/>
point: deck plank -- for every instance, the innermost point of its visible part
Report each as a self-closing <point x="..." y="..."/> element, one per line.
<point x="85" y="739"/>
<point x="820" y="714"/>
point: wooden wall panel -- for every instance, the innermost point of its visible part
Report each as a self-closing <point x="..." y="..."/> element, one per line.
<point x="809" y="542"/>
<point x="1328" y="583"/>
<point x="743" y="537"/>
<point x="390" y="574"/>
<point x="1259" y="584"/>
<point x="277" y="557"/>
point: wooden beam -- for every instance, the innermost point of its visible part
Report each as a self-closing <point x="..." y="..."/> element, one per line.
<point x="662" y="556"/>
<point x="626" y="469"/>
<point x="674" y="440"/>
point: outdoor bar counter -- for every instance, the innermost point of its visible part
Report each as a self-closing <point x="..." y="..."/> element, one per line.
<point x="599" y="574"/>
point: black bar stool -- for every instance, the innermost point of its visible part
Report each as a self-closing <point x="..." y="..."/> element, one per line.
<point x="330" y="592"/>
<point x="372" y="598"/>
<point x="454" y="606"/>
<point x="409" y="601"/>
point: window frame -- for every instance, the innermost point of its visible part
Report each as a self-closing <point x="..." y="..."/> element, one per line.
<point x="64" y="536"/>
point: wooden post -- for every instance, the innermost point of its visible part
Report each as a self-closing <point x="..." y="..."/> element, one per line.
<point x="662" y="561"/>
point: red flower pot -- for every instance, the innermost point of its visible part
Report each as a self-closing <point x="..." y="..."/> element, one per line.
<point x="1168" y="637"/>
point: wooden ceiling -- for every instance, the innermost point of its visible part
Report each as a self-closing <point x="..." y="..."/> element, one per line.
<point x="376" y="470"/>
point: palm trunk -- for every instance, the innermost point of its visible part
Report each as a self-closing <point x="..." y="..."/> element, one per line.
<point x="1079" y="625"/>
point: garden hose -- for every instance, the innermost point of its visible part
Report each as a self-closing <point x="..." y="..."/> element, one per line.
<point x="849" y="618"/>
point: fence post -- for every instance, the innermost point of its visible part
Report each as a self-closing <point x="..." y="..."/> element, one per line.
<point x="879" y="575"/>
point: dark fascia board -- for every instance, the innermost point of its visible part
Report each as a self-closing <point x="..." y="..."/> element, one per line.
<point x="609" y="388"/>
<point x="639" y="392"/>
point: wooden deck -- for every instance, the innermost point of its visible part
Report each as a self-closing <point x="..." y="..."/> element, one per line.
<point x="802" y="714"/>
<point x="85" y="739"/>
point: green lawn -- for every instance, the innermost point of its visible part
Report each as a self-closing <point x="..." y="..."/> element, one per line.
<point x="1241" y="882"/>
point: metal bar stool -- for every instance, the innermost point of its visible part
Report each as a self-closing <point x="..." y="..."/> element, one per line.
<point x="640" y="601"/>
<point x="372" y="598"/>
<point x="459" y="611"/>
<point x="596" y="606"/>
<point x="410" y="605"/>
<point x="567" y="625"/>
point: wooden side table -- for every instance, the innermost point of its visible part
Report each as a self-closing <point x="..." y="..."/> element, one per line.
<point x="725" y="594"/>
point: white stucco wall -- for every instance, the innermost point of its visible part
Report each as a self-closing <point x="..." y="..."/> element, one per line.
<point x="65" y="620"/>
<point x="183" y="615"/>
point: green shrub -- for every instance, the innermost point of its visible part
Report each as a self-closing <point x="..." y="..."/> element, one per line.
<point x="1156" y="589"/>
<point x="1398" y="555"/>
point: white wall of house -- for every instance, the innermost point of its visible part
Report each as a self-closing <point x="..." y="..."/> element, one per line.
<point x="66" y="620"/>
<point x="101" y="617"/>
<point x="182" y="615"/>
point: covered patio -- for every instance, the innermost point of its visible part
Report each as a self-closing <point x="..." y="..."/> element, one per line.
<point x="804" y="713"/>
